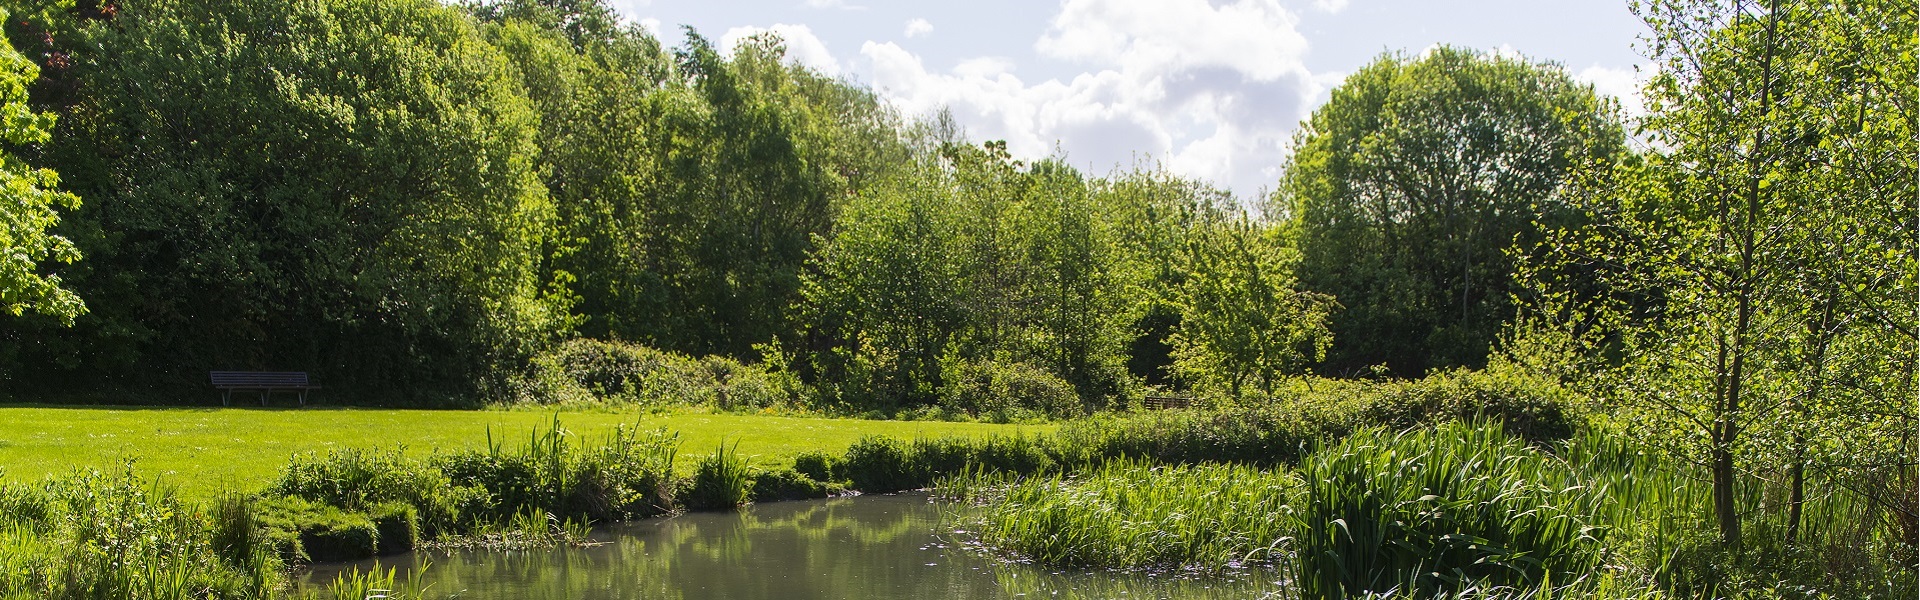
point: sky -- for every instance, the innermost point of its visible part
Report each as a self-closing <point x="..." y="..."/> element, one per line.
<point x="1209" y="89"/>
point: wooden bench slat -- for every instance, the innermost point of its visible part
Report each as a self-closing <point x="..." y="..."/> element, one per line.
<point x="264" y="381"/>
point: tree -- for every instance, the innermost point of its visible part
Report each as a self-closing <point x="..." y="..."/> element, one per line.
<point x="29" y="200"/>
<point x="1768" y="237"/>
<point x="1410" y="185"/>
<point x="1244" y="326"/>
<point x="346" y="187"/>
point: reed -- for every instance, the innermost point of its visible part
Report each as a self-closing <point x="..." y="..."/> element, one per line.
<point x="1439" y="510"/>
<point x="721" y="481"/>
<point x="1130" y="514"/>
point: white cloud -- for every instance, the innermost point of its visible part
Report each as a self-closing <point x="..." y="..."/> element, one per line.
<point x="839" y="4"/>
<point x="918" y="27"/>
<point x="1213" y="92"/>
<point x="1331" y="6"/>
<point x="802" y="45"/>
<point x="1623" y="84"/>
<point x="652" y="26"/>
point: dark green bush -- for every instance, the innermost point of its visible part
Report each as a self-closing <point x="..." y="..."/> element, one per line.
<point x="788" y="484"/>
<point x="818" y="466"/>
<point x="1003" y="392"/>
<point x="1532" y="408"/>
<point x="876" y="464"/>
<point x="587" y="370"/>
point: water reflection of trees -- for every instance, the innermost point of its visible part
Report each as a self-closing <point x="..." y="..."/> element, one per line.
<point x="858" y="547"/>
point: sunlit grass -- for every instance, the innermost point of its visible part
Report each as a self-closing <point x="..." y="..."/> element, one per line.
<point x="205" y="451"/>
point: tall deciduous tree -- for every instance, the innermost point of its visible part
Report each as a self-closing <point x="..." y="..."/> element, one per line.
<point x="1410" y="185"/>
<point x="1769" y="235"/>
<point x="346" y="187"/>
<point x="1244" y="325"/>
<point x="29" y="202"/>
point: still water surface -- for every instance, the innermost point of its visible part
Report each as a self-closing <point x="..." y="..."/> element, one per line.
<point x="863" y="547"/>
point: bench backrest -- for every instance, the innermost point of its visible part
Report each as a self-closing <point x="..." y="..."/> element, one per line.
<point x="258" y="378"/>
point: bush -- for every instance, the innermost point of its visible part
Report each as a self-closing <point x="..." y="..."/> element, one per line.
<point x="1003" y="392"/>
<point x="788" y="484"/>
<point x="357" y="480"/>
<point x="818" y="466"/>
<point x="1532" y="408"/>
<point x="878" y="464"/>
<point x="1131" y="514"/>
<point x="625" y="476"/>
<point x="586" y="370"/>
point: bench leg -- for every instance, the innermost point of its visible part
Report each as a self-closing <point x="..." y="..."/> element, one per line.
<point x="226" y="398"/>
<point x="303" y="398"/>
<point x="263" y="397"/>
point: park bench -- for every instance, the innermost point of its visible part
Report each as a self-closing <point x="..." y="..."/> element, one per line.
<point x="265" y="381"/>
<point x="1153" y="402"/>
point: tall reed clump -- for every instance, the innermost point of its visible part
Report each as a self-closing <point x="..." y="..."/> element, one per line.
<point x="95" y="535"/>
<point x="1130" y="514"/>
<point x="1438" y="510"/>
<point x="721" y="481"/>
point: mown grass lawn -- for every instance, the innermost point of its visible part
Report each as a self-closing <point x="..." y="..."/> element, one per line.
<point x="204" y="451"/>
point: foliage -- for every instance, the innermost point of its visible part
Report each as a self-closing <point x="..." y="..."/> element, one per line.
<point x="1436" y="510"/>
<point x="1244" y="325"/>
<point x="1736" y="296"/>
<point x="1132" y="514"/>
<point x="721" y="481"/>
<point x="29" y="201"/>
<point x="585" y="371"/>
<point x="98" y="535"/>
<point x="1001" y="392"/>
<point x="342" y="187"/>
<point x="1407" y="189"/>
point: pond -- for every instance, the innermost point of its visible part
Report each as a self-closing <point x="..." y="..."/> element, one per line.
<point x="862" y="547"/>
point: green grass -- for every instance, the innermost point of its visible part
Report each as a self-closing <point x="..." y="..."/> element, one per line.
<point x="206" y="451"/>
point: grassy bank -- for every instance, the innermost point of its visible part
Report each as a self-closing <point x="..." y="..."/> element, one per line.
<point x="203" y="452"/>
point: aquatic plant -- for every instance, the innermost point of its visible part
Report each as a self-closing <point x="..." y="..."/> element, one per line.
<point x="1131" y="514"/>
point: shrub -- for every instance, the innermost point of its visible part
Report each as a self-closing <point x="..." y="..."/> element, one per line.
<point x="586" y="370"/>
<point x="788" y="484"/>
<point x="1435" y="511"/>
<point x="878" y="464"/>
<point x="625" y="476"/>
<point x="1003" y="391"/>
<point x="1529" y="407"/>
<point x="1131" y="514"/>
<point x="357" y="480"/>
<point x="818" y="466"/>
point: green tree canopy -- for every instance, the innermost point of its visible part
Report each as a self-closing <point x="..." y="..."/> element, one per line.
<point x="1408" y="188"/>
<point x="346" y="187"/>
<point x="29" y="200"/>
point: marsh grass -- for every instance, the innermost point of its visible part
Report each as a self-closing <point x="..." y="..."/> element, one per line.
<point x="721" y="481"/>
<point x="1129" y="514"/>
<point x="1432" y="511"/>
